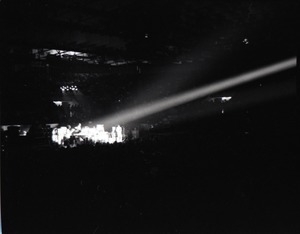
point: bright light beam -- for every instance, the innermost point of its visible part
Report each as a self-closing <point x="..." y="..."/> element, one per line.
<point x="141" y="111"/>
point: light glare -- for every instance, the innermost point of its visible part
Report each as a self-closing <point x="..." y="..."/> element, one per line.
<point x="175" y="100"/>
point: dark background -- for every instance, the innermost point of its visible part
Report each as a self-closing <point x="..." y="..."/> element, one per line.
<point x="197" y="170"/>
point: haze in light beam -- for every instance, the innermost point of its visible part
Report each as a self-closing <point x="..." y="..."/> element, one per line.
<point x="141" y="111"/>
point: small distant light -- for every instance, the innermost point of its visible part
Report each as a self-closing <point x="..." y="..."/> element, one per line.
<point x="223" y="111"/>
<point x="57" y="103"/>
<point x="119" y="100"/>
<point x="146" y="35"/>
<point x="246" y="41"/>
<point x="225" y="99"/>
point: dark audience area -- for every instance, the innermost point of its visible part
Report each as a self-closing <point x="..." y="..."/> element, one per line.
<point x="213" y="177"/>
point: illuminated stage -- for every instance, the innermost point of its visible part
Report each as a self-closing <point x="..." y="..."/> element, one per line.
<point x="64" y="136"/>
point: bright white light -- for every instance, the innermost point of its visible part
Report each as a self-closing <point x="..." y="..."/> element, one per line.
<point x="225" y="99"/>
<point x="220" y="99"/>
<point x="53" y="52"/>
<point x="23" y="133"/>
<point x="94" y="134"/>
<point x="119" y="134"/>
<point x="175" y="100"/>
<point x="57" y="103"/>
<point x="70" y="52"/>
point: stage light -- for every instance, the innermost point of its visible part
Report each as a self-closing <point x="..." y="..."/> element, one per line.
<point x="225" y="99"/>
<point x="94" y="134"/>
<point x="58" y="103"/>
<point x="141" y="111"/>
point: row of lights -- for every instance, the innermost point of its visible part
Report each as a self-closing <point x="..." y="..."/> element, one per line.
<point x="69" y="88"/>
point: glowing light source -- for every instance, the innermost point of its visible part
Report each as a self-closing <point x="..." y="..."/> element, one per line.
<point x="94" y="134"/>
<point x="220" y="99"/>
<point x="245" y="41"/>
<point x="141" y="111"/>
<point x="57" y="103"/>
<point x="225" y="99"/>
<point x="67" y="88"/>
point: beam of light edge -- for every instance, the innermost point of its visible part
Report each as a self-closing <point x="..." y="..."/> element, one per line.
<point x="141" y="111"/>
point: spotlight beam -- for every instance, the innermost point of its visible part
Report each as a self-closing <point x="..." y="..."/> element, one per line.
<point x="141" y="111"/>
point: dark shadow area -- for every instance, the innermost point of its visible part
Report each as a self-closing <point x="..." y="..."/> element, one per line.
<point x="229" y="173"/>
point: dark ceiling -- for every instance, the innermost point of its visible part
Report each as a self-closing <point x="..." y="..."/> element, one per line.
<point x="147" y="28"/>
<point x="165" y="41"/>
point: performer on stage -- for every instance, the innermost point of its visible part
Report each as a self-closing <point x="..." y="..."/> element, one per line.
<point x="119" y="133"/>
